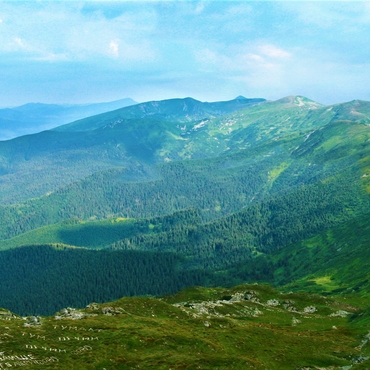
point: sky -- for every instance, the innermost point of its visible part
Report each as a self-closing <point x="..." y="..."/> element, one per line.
<point x="76" y="52"/>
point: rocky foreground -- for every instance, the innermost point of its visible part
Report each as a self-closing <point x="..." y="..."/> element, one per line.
<point x="250" y="326"/>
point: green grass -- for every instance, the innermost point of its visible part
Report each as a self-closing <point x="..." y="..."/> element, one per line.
<point x="336" y="260"/>
<point x="275" y="172"/>
<point x="174" y="333"/>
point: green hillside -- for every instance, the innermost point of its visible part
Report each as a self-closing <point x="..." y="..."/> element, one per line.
<point x="334" y="261"/>
<point x="39" y="280"/>
<point x="332" y="158"/>
<point x="35" y="165"/>
<point x="100" y="234"/>
<point x="249" y="326"/>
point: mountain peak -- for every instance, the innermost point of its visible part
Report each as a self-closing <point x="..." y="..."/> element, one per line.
<point x="299" y="100"/>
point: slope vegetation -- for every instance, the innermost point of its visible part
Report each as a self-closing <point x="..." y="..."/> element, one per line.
<point x="249" y="326"/>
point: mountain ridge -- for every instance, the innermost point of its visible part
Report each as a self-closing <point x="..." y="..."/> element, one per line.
<point x="181" y="110"/>
<point x="35" y="117"/>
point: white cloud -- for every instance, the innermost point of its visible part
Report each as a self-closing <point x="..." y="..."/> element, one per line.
<point x="242" y="58"/>
<point x="60" y="31"/>
<point x="18" y="41"/>
<point x="273" y="52"/>
<point x="51" y="57"/>
<point x="343" y="16"/>
<point x="255" y="57"/>
<point x="199" y="8"/>
<point x="114" y="48"/>
<point x="268" y="46"/>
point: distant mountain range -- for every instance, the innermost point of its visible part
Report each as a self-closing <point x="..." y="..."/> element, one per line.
<point x="35" y="117"/>
<point x="136" y="138"/>
<point x="171" y="110"/>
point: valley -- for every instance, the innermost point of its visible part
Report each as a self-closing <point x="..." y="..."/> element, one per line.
<point x="224" y="235"/>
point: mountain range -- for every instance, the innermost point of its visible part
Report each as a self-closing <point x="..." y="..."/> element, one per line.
<point x="160" y="196"/>
<point x="35" y="117"/>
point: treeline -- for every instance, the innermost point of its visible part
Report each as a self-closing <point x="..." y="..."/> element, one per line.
<point x="264" y="227"/>
<point x="217" y="187"/>
<point x="208" y="186"/>
<point x="165" y="254"/>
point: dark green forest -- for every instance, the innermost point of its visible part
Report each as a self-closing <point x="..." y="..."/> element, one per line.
<point x="40" y="280"/>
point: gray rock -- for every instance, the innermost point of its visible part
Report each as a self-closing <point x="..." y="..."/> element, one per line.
<point x="273" y="302"/>
<point x="32" y="321"/>
<point x="71" y="313"/>
<point x="111" y="311"/>
<point x="310" y="309"/>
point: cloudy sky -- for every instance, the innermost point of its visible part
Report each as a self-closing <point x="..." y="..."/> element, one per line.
<point x="81" y="52"/>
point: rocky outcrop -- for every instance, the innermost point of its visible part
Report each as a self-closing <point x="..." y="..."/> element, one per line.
<point x="72" y="314"/>
<point x="7" y="315"/>
<point x="273" y="302"/>
<point x="339" y="313"/>
<point x="32" y="321"/>
<point x="112" y="311"/>
<point x="310" y="309"/>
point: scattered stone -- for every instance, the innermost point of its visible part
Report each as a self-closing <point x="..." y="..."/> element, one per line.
<point x="93" y="306"/>
<point x="273" y="302"/>
<point x="340" y="313"/>
<point x="289" y="305"/>
<point x="295" y="321"/>
<point x="207" y="324"/>
<point x="257" y="312"/>
<point x="250" y="295"/>
<point x="310" y="309"/>
<point x="32" y="321"/>
<point x="71" y="313"/>
<point x="237" y="297"/>
<point x="112" y="311"/>
<point x="360" y="359"/>
<point x="6" y="315"/>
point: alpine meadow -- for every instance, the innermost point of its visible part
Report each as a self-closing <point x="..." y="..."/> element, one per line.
<point x="184" y="185"/>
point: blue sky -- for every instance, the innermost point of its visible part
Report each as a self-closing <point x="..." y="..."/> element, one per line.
<point x="81" y="52"/>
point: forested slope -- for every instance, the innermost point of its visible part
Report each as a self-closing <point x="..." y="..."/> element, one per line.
<point x="334" y="158"/>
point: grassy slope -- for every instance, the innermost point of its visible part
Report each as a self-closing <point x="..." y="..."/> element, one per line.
<point x="334" y="261"/>
<point x="195" y="329"/>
